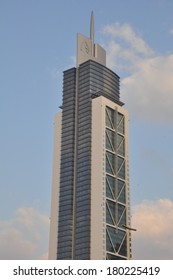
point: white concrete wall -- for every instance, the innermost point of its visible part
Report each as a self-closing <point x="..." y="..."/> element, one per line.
<point x="97" y="180"/>
<point x="98" y="188"/>
<point x="55" y="189"/>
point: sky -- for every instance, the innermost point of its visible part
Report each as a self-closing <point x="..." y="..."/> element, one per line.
<point x="38" y="42"/>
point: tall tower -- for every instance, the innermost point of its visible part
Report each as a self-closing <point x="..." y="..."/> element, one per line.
<point x="90" y="215"/>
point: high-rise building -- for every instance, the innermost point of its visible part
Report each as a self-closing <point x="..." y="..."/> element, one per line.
<point x="90" y="216"/>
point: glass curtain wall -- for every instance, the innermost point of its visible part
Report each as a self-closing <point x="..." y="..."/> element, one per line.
<point x="116" y="239"/>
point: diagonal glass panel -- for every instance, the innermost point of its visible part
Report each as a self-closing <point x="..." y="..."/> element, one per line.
<point x="108" y="144"/>
<point x="111" y="136"/>
<point x="108" y="167"/>
<point x="121" y="149"/>
<point x="110" y="160"/>
<point x="109" y="190"/>
<point x="122" y="196"/>
<point x="112" y="235"/>
<point x="123" y="248"/>
<point x="120" y="161"/>
<point x="109" y="118"/>
<point x="121" y="209"/>
<point x="111" y="206"/>
<point x="109" y="246"/>
<point x="121" y="172"/>
<point x="121" y="191"/>
<point x="119" y="139"/>
<point x="120" y="123"/>
<point x="120" y="117"/>
<point x="111" y="115"/>
<point x="111" y="182"/>
<point x="108" y="123"/>
<point x="120" y="186"/>
<point x="122" y="220"/>
<point x="109" y="219"/>
<point x="116" y="236"/>
<point x="119" y="238"/>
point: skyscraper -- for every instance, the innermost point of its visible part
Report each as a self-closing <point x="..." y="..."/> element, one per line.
<point x="90" y="215"/>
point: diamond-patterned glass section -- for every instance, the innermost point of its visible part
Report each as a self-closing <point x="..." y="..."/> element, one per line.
<point x="116" y="243"/>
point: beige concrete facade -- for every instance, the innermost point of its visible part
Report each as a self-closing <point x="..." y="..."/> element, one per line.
<point x="98" y="175"/>
<point x="55" y="188"/>
<point x="85" y="52"/>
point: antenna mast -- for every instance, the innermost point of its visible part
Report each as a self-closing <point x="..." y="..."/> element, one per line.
<point x="92" y="33"/>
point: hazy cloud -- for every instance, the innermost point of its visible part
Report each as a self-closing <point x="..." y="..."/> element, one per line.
<point x="147" y="87"/>
<point x="148" y="92"/>
<point x="171" y="31"/>
<point x="124" y="47"/>
<point x="55" y="73"/>
<point x="126" y="32"/>
<point x="154" y="236"/>
<point x="25" y="236"/>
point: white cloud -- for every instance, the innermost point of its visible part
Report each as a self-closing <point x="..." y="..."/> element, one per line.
<point x="147" y="88"/>
<point x="154" y="236"/>
<point x="127" y="33"/>
<point x="25" y="236"/>
<point x="148" y="92"/>
<point x="124" y="47"/>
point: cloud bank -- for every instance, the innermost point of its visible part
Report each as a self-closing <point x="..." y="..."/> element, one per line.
<point x="25" y="236"/>
<point x="154" y="236"/>
<point x="147" y="86"/>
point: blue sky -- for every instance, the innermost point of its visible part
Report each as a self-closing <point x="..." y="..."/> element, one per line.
<point x="38" y="42"/>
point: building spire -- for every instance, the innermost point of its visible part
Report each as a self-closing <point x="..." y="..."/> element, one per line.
<point x="92" y="32"/>
<point x="87" y="49"/>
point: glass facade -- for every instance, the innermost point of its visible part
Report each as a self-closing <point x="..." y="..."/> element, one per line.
<point x="116" y="205"/>
<point x="75" y="229"/>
